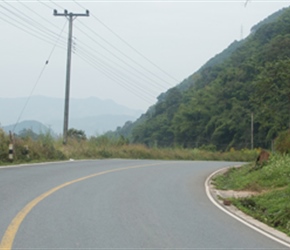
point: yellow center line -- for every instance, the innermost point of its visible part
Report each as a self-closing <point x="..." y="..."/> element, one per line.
<point x="11" y="231"/>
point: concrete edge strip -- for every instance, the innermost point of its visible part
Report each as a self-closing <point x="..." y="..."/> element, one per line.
<point x="235" y="216"/>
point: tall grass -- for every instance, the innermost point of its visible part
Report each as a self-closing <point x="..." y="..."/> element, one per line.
<point x="275" y="174"/>
<point x="27" y="149"/>
<point x="47" y="148"/>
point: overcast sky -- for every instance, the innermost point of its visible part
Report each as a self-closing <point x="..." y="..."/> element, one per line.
<point x="127" y="51"/>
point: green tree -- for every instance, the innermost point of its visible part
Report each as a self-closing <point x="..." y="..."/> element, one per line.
<point x="271" y="97"/>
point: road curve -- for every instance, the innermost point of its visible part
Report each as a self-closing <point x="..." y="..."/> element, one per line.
<point x="117" y="204"/>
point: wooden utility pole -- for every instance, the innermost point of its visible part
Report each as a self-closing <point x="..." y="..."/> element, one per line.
<point x="252" y="130"/>
<point x="70" y="16"/>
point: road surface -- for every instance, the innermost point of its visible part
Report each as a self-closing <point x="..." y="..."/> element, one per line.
<point x="117" y="204"/>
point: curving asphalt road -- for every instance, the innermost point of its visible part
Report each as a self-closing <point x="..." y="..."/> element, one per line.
<point x="117" y="204"/>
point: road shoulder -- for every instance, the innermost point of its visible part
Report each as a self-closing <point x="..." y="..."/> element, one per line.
<point x="217" y="196"/>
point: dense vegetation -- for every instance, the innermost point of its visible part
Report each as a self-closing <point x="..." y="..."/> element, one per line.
<point x="213" y="107"/>
<point x="271" y="181"/>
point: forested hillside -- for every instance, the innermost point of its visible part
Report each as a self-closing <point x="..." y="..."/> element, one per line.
<point x="213" y="107"/>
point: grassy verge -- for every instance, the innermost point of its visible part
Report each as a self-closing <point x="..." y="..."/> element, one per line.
<point x="272" y="181"/>
<point x="46" y="148"/>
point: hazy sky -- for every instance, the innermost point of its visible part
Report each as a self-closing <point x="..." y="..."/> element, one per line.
<point x="173" y="39"/>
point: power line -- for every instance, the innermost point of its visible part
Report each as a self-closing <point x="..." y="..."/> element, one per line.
<point x="122" y="60"/>
<point x="40" y="37"/>
<point x="129" y="45"/>
<point x="44" y="4"/>
<point x="40" y="16"/>
<point x="108" y="60"/>
<point x="116" y="79"/>
<point x="30" y="21"/>
<point x="37" y="80"/>
<point x="142" y="75"/>
<point x="27" y="27"/>
<point x="122" y="53"/>
<point x="126" y="56"/>
<point x="59" y="6"/>
<point x="246" y="3"/>
<point x="119" y="76"/>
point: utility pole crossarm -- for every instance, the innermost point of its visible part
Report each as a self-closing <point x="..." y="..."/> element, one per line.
<point x="55" y="13"/>
<point x="70" y="16"/>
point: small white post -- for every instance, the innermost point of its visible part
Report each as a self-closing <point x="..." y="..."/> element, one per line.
<point x="10" y="152"/>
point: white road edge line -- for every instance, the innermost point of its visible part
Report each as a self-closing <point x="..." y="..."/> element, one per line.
<point x="21" y="165"/>
<point x="207" y="188"/>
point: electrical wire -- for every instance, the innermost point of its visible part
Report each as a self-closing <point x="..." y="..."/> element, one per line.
<point x="27" y="24"/>
<point x="37" y="80"/>
<point x="109" y="71"/>
<point x="106" y="61"/>
<point x="42" y="35"/>
<point x="44" y="4"/>
<point x="26" y="30"/>
<point x="151" y="80"/>
<point x="114" y="75"/>
<point x="118" y="75"/>
<point x="59" y="6"/>
<point x="119" y="51"/>
<point x="246" y="3"/>
<point x="40" y="16"/>
<point x="126" y="56"/>
<point x="27" y="19"/>
<point x="117" y="80"/>
<point x="129" y="45"/>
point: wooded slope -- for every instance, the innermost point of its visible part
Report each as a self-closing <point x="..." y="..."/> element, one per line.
<point x="213" y="107"/>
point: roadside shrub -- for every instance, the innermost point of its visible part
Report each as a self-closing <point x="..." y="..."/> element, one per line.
<point x="209" y="147"/>
<point x="42" y="149"/>
<point x="276" y="173"/>
<point x="4" y="143"/>
<point x="282" y="143"/>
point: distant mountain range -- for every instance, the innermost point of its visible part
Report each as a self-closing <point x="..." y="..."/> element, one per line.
<point x="93" y="115"/>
